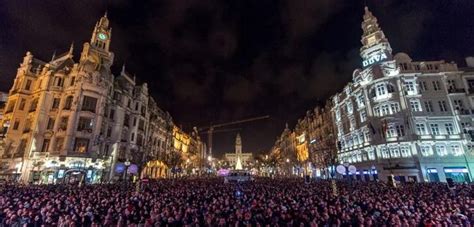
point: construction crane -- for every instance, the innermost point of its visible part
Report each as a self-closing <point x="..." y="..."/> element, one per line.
<point x="211" y="129"/>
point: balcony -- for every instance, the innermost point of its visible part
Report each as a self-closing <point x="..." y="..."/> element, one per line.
<point x="465" y="112"/>
<point x="39" y="155"/>
<point x="456" y="90"/>
<point x="470" y="90"/>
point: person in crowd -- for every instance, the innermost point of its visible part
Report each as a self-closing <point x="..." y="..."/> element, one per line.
<point x="209" y="202"/>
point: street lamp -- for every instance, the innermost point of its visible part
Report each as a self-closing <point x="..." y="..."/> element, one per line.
<point x="127" y="164"/>
<point x="289" y="167"/>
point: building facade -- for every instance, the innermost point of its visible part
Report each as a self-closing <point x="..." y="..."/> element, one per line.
<point x="74" y="121"/>
<point x="404" y="118"/>
<point x="238" y="160"/>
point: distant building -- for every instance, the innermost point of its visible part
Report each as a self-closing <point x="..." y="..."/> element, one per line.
<point x="238" y="156"/>
<point x="410" y="119"/>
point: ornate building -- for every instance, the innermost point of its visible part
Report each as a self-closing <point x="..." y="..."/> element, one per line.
<point x="405" y="118"/>
<point x="238" y="160"/>
<point x="310" y="148"/>
<point x="68" y="120"/>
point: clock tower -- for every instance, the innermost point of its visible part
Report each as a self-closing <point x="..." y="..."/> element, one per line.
<point x="97" y="51"/>
<point x="102" y="34"/>
<point x="375" y="46"/>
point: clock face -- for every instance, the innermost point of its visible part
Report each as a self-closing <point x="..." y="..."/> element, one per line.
<point x="102" y="36"/>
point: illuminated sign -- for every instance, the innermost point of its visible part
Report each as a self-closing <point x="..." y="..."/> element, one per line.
<point x="374" y="59"/>
<point x="61" y="173"/>
<point x="133" y="169"/>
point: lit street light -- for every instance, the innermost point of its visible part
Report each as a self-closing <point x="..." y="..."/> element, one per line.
<point x="127" y="164"/>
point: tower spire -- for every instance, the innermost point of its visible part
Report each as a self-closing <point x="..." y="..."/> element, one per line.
<point x="54" y="56"/>
<point x="375" y="46"/>
<point x="71" y="48"/>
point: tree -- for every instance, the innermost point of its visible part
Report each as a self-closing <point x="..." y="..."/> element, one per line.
<point x="173" y="159"/>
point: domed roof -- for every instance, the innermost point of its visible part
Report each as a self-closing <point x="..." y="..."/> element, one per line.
<point x="402" y="57"/>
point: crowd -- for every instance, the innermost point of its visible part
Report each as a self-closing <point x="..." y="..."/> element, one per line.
<point x="264" y="202"/>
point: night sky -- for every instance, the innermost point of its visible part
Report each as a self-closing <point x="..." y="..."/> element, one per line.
<point x="216" y="61"/>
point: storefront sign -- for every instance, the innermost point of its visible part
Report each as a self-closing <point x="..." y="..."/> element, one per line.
<point x="374" y="59"/>
<point x="455" y="170"/>
<point x="61" y="173"/>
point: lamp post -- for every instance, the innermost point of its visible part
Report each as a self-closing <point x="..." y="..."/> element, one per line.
<point x="127" y="164"/>
<point x="289" y="167"/>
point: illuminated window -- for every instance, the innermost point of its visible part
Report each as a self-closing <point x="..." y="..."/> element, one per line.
<point x="371" y="154"/>
<point x="363" y="116"/>
<point x="441" y="150"/>
<point x="456" y="150"/>
<point x="377" y="111"/>
<point x="380" y="88"/>
<point x="385" y="152"/>
<point x="385" y="110"/>
<point x="59" y="144"/>
<point x="360" y="100"/>
<point x="410" y="87"/>
<point x="352" y="123"/>
<point x="434" y="129"/>
<point x="415" y="105"/>
<point x="420" y="129"/>
<point x="394" y="107"/>
<point x="400" y="130"/>
<point x="391" y="131"/>
<point x="426" y="150"/>
<point x="405" y="151"/>
<point x="449" y="128"/>
<point x="81" y="145"/>
<point x="350" y="109"/>
<point x="394" y="152"/>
